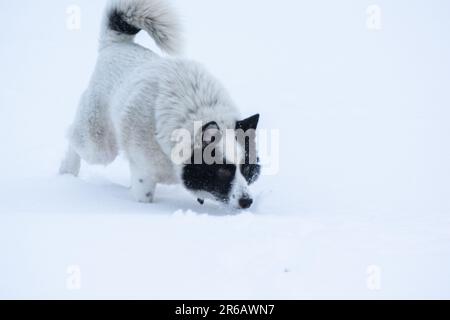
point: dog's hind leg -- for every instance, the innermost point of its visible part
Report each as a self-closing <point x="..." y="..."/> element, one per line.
<point x="92" y="134"/>
<point x="71" y="163"/>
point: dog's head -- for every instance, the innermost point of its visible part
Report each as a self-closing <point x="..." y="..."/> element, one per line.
<point x="228" y="164"/>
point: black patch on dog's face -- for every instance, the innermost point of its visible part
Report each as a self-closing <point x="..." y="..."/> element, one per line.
<point x="118" y="24"/>
<point x="215" y="179"/>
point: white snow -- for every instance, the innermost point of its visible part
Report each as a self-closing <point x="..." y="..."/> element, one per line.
<point x="359" y="209"/>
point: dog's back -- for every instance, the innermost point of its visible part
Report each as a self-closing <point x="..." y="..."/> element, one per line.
<point x="92" y="134"/>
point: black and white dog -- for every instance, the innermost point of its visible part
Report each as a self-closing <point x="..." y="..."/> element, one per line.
<point x="136" y="102"/>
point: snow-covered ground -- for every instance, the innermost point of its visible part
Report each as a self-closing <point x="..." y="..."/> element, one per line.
<point x="360" y="207"/>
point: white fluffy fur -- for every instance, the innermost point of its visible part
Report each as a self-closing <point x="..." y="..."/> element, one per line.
<point x="137" y="99"/>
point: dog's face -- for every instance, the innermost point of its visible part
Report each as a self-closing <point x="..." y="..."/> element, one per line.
<point x="234" y="167"/>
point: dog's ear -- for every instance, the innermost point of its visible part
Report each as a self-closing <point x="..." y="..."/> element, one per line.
<point x="248" y="124"/>
<point x="211" y="133"/>
<point x="246" y="135"/>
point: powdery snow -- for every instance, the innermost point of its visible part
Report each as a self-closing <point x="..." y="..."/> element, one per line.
<point x="359" y="208"/>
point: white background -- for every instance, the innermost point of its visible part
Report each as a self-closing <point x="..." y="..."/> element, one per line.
<point x="364" y="159"/>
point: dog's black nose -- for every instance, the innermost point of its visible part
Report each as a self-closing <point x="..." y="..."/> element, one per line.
<point x="245" y="203"/>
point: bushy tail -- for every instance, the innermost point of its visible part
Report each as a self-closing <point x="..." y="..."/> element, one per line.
<point x="125" y="18"/>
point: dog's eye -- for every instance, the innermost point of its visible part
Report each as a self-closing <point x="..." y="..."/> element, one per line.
<point x="223" y="173"/>
<point x="226" y="172"/>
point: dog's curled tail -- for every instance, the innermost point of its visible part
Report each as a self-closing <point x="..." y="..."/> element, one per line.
<point x="125" y="18"/>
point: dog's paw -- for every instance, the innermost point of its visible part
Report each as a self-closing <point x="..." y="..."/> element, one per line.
<point x="69" y="169"/>
<point x="71" y="164"/>
<point x="143" y="197"/>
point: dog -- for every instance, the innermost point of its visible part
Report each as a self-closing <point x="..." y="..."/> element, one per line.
<point x="136" y="100"/>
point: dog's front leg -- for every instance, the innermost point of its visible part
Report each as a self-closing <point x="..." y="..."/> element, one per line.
<point x="143" y="184"/>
